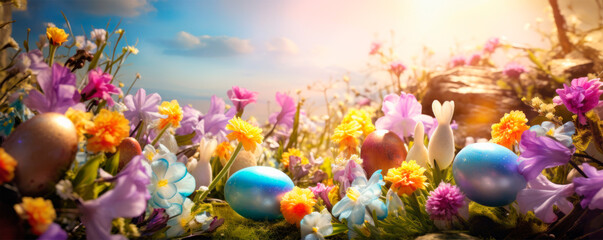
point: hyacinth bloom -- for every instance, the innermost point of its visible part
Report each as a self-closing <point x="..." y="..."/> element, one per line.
<point x="241" y="97"/>
<point x="562" y="134"/>
<point x="287" y="114"/>
<point x="513" y="70"/>
<point x="360" y="200"/>
<point x="142" y="107"/>
<point x="186" y="221"/>
<point x="590" y="188"/>
<point x="60" y="93"/>
<point x="397" y="68"/>
<point x="540" y="196"/>
<point x="248" y="135"/>
<point x="375" y="48"/>
<point x="7" y="167"/>
<point x="322" y="191"/>
<point x="474" y="59"/>
<point x="109" y="129"/>
<point x="444" y="202"/>
<point x="580" y="97"/>
<point x="508" y="131"/>
<point x="458" y="61"/>
<point x="81" y="120"/>
<point x="99" y="86"/>
<point x="296" y="204"/>
<point x="491" y="45"/>
<point x="407" y="178"/>
<point x="170" y="183"/>
<point x="293" y="152"/>
<point x="56" y="36"/>
<point x="173" y="113"/>
<point x="316" y="225"/>
<point x="362" y="117"/>
<point x="401" y="114"/>
<point x="127" y="199"/>
<point x="346" y="176"/>
<point x="38" y="212"/>
<point x="215" y="120"/>
<point x="538" y="153"/>
<point x="32" y="60"/>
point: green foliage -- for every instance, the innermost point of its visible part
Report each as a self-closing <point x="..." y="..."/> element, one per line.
<point x="83" y="184"/>
<point x="184" y="140"/>
<point x="502" y="222"/>
<point x="436" y="175"/>
<point x="112" y="164"/>
<point x="293" y="138"/>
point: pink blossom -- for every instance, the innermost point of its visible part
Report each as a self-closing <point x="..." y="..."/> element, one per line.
<point x="397" y="68"/>
<point x="580" y="97"/>
<point x="375" y="48"/>
<point x="287" y="114"/>
<point x="401" y="114"/>
<point x="99" y="86"/>
<point x="444" y="202"/>
<point x="474" y="59"/>
<point x="514" y="70"/>
<point x="457" y="61"/>
<point x="240" y="97"/>
<point x="491" y="45"/>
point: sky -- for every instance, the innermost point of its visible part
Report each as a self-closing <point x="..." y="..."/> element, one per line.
<point x="191" y="50"/>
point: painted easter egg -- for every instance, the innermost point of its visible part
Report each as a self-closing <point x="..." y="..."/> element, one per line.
<point x="128" y="149"/>
<point x="245" y="159"/>
<point x="44" y="148"/>
<point x="488" y="174"/>
<point x="383" y="150"/>
<point x="256" y="192"/>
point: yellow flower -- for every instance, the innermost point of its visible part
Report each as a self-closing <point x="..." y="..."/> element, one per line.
<point x="346" y="135"/>
<point x="363" y="118"/>
<point x="245" y="133"/>
<point x="7" y="167"/>
<point x="56" y="36"/>
<point x="407" y="178"/>
<point x="508" y="131"/>
<point x="296" y="204"/>
<point x="334" y="195"/>
<point x="81" y="120"/>
<point x="38" y="212"/>
<point x="109" y="129"/>
<point x="174" y="114"/>
<point x="293" y="152"/>
<point x="223" y="150"/>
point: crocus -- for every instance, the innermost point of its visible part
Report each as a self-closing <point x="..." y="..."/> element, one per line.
<point x="142" y="107"/>
<point x="540" y="196"/>
<point x="316" y="225"/>
<point x="60" y="92"/>
<point x="591" y="188"/>
<point x="347" y="175"/>
<point x="240" y="97"/>
<point x="444" y="202"/>
<point x="322" y="191"/>
<point x="401" y="114"/>
<point x="513" y="70"/>
<point x="538" y="153"/>
<point x="580" y="97"/>
<point x="562" y="134"/>
<point x="397" y="68"/>
<point x="287" y="114"/>
<point x="215" y="120"/>
<point x="360" y="200"/>
<point x="99" y="86"/>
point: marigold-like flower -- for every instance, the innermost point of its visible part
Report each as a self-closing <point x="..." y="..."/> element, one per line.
<point x="245" y="133"/>
<point x="508" y="131"/>
<point x="38" y="212"/>
<point x="580" y="97"/>
<point x="108" y="131"/>
<point x="346" y="135"/>
<point x="407" y="178"/>
<point x="56" y="36"/>
<point x="293" y="152"/>
<point x="173" y="111"/>
<point x="296" y="204"/>
<point x="81" y="120"/>
<point x="223" y="150"/>
<point x="363" y="118"/>
<point x="7" y="167"/>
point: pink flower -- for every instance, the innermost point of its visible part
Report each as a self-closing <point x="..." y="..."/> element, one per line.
<point x="513" y="70"/>
<point x="491" y="45"/>
<point x="590" y="188"/>
<point x="287" y="114"/>
<point x="457" y="61"/>
<point x="401" y="114"/>
<point x="541" y="195"/>
<point x="580" y="97"/>
<point x="397" y="68"/>
<point x="474" y="59"/>
<point x="240" y="97"/>
<point x="99" y="86"/>
<point x="444" y="202"/>
<point x="375" y="47"/>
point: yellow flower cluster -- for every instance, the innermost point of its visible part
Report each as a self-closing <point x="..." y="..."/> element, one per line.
<point x="346" y="135"/>
<point x="7" y="167"/>
<point x="296" y="204"/>
<point x="109" y="129"/>
<point x="508" y="131"/>
<point x="223" y="150"/>
<point x="548" y="110"/>
<point x="293" y="152"/>
<point x="38" y="212"/>
<point x="81" y="120"/>
<point x="247" y="134"/>
<point x="362" y="117"/>
<point x="173" y="111"/>
<point x="407" y="178"/>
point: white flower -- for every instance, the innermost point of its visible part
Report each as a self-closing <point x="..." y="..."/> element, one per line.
<point x="180" y="224"/>
<point x="99" y="36"/>
<point x="65" y="189"/>
<point x="316" y="225"/>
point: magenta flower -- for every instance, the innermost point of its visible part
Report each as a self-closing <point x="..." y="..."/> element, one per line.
<point x="397" y="68"/>
<point x="322" y="191"/>
<point x="513" y="70"/>
<point x="347" y="175"/>
<point x="538" y="153"/>
<point x="287" y="114"/>
<point x="491" y="45"/>
<point x="590" y="188"/>
<point x="99" y="86"/>
<point x="580" y="97"/>
<point x="54" y="232"/>
<point x="474" y="59"/>
<point x="142" y="107"/>
<point x="375" y="47"/>
<point x="444" y="202"/>
<point x="540" y="196"/>
<point x="402" y="114"/>
<point x="215" y="120"/>
<point x="457" y="61"/>
<point x="60" y="93"/>
<point x="240" y="97"/>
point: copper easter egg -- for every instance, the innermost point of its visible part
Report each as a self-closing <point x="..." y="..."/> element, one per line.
<point x="44" y="148"/>
<point x="245" y="159"/>
<point x="128" y="148"/>
<point x="383" y="150"/>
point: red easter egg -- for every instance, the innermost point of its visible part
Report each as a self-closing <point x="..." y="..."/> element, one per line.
<point x="383" y="150"/>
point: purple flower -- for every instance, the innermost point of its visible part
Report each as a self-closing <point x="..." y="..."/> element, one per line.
<point x="322" y="191"/>
<point x="319" y="176"/>
<point x="457" y="61"/>
<point x="240" y="97"/>
<point x="298" y="169"/>
<point x="491" y="45"/>
<point x="444" y="202"/>
<point x="590" y="188"/>
<point x="33" y="60"/>
<point x="513" y="70"/>
<point x="541" y="195"/>
<point x="474" y="59"/>
<point x="402" y="114"/>
<point x="155" y="222"/>
<point x="99" y="86"/>
<point x="397" y="68"/>
<point x="538" y="153"/>
<point x="127" y="199"/>
<point x="287" y="114"/>
<point x="215" y="120"/>
<point x="347" y="175"/>
<point x="54" y="232"/>
<point x="580" y="97"/>
<point x="190" y="123"/>
<point x="60" y="93"/>
<point x="142" y="107"/>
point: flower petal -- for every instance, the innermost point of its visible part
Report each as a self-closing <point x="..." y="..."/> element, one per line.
<point x="186" y="185"/>
<point x="160" y="167"/>
<point x="176" y="172"/>
<point x="167" y="191"/>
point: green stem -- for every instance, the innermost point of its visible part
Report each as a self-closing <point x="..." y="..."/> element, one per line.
<point x="51" y="53"/>
<point x="160" y="134"/>
<point x="130" y="88"/>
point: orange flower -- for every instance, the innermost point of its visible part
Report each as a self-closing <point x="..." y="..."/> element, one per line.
<point x="7" y="167"/>
<point x="293" y="152"/>
<point x="346" y="135"/>
<point x="508" y="131"/>
<point x="108" y="131"/>
<point x="81" y="120"/>
<point x="245" y="133"/>
<point x="407" y="178"/>
<point x="56" y="36"/>
<point x="38" y="212"/>
<point x="174" y="114"/>
<point x="361" y="117"/>
<point x="296" y="204"/>
<point x="223" y="150"/>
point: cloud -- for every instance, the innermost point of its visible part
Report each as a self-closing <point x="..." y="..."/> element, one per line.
<point x="122" y="8"/>
<point x="186" y="44"/>
<point x="282" y="45"/>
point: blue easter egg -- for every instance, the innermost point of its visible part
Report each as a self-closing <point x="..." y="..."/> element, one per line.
<point x="256" y="192"/>
<point x="487" y="173"/>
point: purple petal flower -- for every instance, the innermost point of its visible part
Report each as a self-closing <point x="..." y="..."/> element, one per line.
<point x="54" y="232"/>
<point x="513" y="70"/>
<point x="297" y="169"/>
<point x="318" y="176"/>
<point x="33" y="60"/>
<point x="580" y="97"/>
<point x="590" y="188"/>
<point x="215" y="121"/>
<point x="402" y="114"/>
<point x="457" y="61"/>
<point x="538" y="153"/>
<point x="347" y="175"/>
<point x="287" y="114"/>
<point x="491" y="45"/>
<point x="397" y="68"/>
<point x="155" y="222"/>
<point x="142" y="107"/>
<point x="190" y="123"/>
<point x="60" y="93"/>
<point x="541" y="195"/>
<point x="322" y="191"/>
<point x="240" y="97"/>
<point x="444" y="202"/>
<point x="99" y="86"/>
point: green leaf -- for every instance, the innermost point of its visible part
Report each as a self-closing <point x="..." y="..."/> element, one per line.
<point x="184" y="140"/>
<point x="293" y="138"/>
<point x="112" y="164"/>
<point x="502" y="84"/>
<point x="338" y="228"/>
<point x="84" y="179"/>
